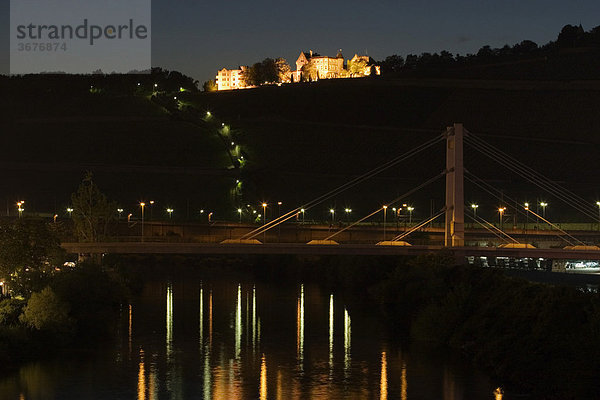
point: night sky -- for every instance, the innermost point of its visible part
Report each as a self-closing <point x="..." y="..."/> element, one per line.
<point x="199" y="37"/>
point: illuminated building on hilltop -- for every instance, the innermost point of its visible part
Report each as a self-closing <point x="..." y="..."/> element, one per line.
<point x="309" y="66"/>
<point x="325" y="67"/>
<point x="228" y="79"/>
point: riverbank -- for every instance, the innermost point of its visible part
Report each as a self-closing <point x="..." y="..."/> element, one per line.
<point x="77" y="308"/>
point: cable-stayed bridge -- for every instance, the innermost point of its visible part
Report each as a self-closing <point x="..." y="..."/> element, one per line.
<point x="456" y="241"/>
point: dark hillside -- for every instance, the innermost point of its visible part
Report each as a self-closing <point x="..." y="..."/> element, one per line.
<point x="298" y="141"/>
<point x="307" y="138"/>
<point x="54" y="131"/>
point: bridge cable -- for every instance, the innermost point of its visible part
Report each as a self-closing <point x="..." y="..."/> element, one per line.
<point x="539" y="180"/>
<point x="490" y="228"/>
<point x="403" y="235"/>
<point x="516" y="209"/>
<point x="558" y="228"/>
<point x="396" y="200"/>
<point x="344" y="187"/>
<point x="558" y="194"/>
<point x="545" y="184"/>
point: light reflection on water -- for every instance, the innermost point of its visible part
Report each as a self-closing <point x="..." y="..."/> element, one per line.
<point x="205" y="341"/>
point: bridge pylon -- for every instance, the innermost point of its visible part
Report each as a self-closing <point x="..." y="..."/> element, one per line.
<point x="455" y="205"/>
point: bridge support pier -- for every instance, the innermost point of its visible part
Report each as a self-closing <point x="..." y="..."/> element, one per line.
<point x="455" y="204"/>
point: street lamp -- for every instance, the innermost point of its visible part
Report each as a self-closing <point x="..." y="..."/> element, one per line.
<point x="20" y="208"/>
<point x="209" y="217"/>
<point x="170" y="211"/>
<point x="410" y="210"/>
<point x="129" y="217"/>
<point x="348" y="211"/>
<point x="302" y="210"/>
<point x="332" y="212"/>
<point x="151" y="204"/>
<point x="70" y="211"/>
<point x="55" y="216"/>
<point x="142" y="204"/>
<point x="474" y="207"/>
<point x="543" y="204"/>
<point x="384" y="220"/>
<point x="120" y="211"/>
<point x="240" y="212"/>
<point x="501" y="213"/>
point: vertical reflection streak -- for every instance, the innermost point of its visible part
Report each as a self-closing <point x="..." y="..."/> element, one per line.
<point x="207" y="384"/>
<point x="141" y="389"/>
<point x="238" y="323"/>
<point x="347" y="342"/>
<point x="210" y="319"/>
<point x="130" y="330"/>
<point x="300" y="332"/>
<point x="383" y="392"/>
<point x="201" y="323"/>
<point x="331" y="335"/>
<point x="152" y="383"/>
<point x="169" y="320"/>
<point x="279" y="395"/>
<point x="263" y="379"/>
<point x="253" y="319"/>
<point x="403" y="383"/>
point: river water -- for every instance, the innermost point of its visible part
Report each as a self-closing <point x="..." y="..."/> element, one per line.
<point x="223" y="339"/>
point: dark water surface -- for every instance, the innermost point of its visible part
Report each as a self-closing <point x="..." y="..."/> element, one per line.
<point x="225" y="340"/>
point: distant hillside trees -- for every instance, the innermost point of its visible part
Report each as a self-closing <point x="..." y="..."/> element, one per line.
<point x="209" y="86"/>
<point x="570" y="37"/>
<point x="284" y="72"/>
<point x="92" y="212"/>
<point x="267" y="71"/>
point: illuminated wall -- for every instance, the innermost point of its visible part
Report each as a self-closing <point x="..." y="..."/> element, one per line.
<point x="228" y="79"/>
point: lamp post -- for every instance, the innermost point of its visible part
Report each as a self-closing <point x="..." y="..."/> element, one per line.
<point x="151" y="204"/>
<point x="170" y="211"/>
<point x="120" y="211"/>
<point x="474" y="207"/>
<point x="543" y="204"/>
<point x="209" y="217"/>
<point x="384" y="220"/>
<point x="410" y="210"/>
<point x="20" y="207"/>
<point x="279" y="203"/>
<point x="70" y="211"/>
<point x="239" y="210"/>
<point x="501" y="213"/>
<point x="302" y="210"/>
<point x="142" y="204"/>
<point x="264" y="206"/>
<point x="348" y="211"/>
<point x="332" y="212"/>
